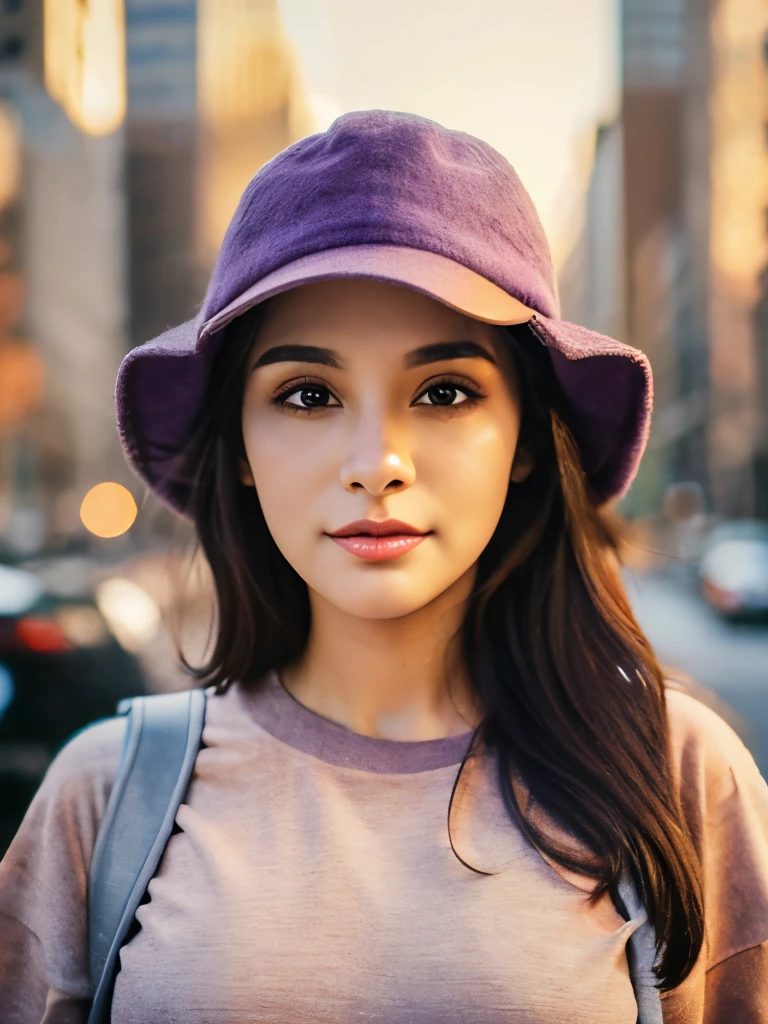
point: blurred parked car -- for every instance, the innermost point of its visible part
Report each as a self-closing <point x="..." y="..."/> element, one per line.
<point x="61" y="667"/>
<point x="734" y="569"/>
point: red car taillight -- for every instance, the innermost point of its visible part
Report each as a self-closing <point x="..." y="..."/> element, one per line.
<point x="42" y="635"/>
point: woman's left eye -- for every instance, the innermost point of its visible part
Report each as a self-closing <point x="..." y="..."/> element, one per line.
<point x="446" y="394"/>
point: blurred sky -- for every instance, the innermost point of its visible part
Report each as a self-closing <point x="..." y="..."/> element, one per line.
<point x="531" y="77"/>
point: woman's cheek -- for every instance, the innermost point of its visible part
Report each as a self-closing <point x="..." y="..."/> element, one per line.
<point x="291" y="473"/>
<point x="472" y="471"/>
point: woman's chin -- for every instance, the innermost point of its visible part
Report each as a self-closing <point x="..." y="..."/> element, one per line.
<point x="379" y="598"/>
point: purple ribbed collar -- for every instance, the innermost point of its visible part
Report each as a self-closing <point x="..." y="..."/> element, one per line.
<point x="283" y="717"/>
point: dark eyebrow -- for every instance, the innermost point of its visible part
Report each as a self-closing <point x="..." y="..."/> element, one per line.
<point x="438" y="352"/>
<point x="447" y="350"/>
<point x="299" y="354"/>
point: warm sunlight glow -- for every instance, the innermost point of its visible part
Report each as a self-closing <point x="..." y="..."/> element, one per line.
<point x="739" y="244"/>
<point x="740" y="156"/>
<point x="84" y="50"/>
<point x="251" y="103"/>
<point x="243" y="60"/>
<point x="130" y="612"/>
<point x="10" y="155"/>
<point x="108" y="510"/>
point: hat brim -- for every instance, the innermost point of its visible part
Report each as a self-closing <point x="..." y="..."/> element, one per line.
<point x="162" y="385"/>
<point x="427" y="272"/>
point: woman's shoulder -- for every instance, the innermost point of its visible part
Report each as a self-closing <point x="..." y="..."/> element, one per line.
<point x="706" y="750"/>
<point x="90" y="758"/>
<point x="44" y="873"/>
<point x="73" y="795"/>
<point x="725" y="801"/>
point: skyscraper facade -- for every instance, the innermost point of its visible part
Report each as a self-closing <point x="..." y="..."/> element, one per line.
<point x="692" y="185"/>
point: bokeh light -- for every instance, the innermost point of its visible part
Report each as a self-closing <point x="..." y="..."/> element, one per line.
<point x="131" y="614"/>
<point x="10" y="154"/>
<point x="81" y="625"/>
<point x="19" y="590"/>
<point x="84" y="55"/>
<point x="108" y="510"/>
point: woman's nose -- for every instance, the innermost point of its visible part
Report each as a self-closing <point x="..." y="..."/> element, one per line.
<point x="378" y="457"/>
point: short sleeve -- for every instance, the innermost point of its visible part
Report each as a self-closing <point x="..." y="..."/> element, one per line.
<point x="43" y="884"/>
<point x="725" y="801"/>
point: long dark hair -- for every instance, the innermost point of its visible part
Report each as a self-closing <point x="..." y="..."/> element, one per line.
<point x="572" y="694"/>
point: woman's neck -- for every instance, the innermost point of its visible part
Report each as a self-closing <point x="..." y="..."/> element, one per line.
<point x="388" y="678"/>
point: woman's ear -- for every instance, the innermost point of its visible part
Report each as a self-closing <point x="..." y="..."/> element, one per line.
<point x="522" y="465"/>
<point x="244" y="472"/>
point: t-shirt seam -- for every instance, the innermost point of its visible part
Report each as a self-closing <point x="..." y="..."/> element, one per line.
<point x="738" y="952"/>
<point x="349" y="767"/>
<point x="25" y="926"/>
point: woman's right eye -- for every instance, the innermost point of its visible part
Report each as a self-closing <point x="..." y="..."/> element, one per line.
<point x="308" y="397"/>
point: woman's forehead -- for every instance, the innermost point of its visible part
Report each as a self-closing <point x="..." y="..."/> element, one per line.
<point x="353" y="314"/>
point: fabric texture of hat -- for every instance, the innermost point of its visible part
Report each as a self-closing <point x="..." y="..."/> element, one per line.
<point x="394" y="197"/>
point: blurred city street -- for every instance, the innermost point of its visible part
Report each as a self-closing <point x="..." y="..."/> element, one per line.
<point x="273" y="273"/>
<point x="128" y="131"/>
<point x="730" y="659"/>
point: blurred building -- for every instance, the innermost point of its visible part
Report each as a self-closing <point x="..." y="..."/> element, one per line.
<point x="135" y="125"/>
<point x="738" y="246"/>
<point x="682" y="200"/>
<point x="592" y="285"/>
<point x="251" y="102"/>
<point x="664" y="208"/>
<point x="160" y="166"/>
<point x="69" y="258"/>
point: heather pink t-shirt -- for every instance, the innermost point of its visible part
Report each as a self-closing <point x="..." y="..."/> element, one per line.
<point x="311" y="879"/>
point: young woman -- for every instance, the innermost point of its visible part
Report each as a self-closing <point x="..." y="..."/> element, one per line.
<point x="435" y="737"/>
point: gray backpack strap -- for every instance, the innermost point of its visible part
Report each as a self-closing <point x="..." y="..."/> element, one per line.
<point x="641" y="955"/>
<point x="161" y="744"/>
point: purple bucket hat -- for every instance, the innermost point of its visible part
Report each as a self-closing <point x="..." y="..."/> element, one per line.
<point x="398" y="198"/>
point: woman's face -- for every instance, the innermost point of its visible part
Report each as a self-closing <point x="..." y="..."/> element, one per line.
<point x="368" y="401"/>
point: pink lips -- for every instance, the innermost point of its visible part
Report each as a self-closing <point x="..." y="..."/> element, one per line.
<point x="378" y="540"/>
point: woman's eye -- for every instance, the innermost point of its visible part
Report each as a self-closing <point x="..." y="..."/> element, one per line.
<point x="445" y="395"/>
<point x="310" y="396"/>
